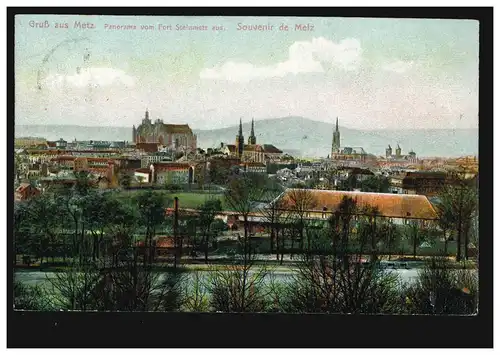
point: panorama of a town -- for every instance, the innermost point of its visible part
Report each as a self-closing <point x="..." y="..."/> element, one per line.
<point x="212" y="164"/>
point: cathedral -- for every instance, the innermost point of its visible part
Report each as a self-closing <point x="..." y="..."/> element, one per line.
<point x="411" y="156"/>
<point x="252" y="152"/>
<point x="345" y="153"/>
<point x="176" y="136"/>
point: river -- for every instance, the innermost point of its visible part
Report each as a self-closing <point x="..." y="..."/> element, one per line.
<point x="43" y="278"/>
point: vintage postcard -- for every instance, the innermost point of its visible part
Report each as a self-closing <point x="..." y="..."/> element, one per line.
<point x="246" y="164"/>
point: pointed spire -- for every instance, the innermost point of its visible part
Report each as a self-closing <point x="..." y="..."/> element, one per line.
<point x="252" y="131"/>
<point x="337" y="125"/>
<point x="240" y="131"/>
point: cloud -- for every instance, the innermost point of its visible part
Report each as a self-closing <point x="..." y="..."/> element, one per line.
<point x="94" y="77"/>
<point x="398" y="66"/>
<point x="303" y="57"/>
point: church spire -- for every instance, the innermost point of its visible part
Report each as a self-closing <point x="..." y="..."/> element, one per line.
<point x="240" y="141"/>
<point x="252" y="139"/>
<point x="336" y="139"/>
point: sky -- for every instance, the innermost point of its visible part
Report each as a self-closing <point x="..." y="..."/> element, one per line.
<point x="372" y="73"/>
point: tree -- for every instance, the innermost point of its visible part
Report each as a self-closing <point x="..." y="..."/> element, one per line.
<point x="241" y="196"/>
<point x="40" y="222"/>
<point x="392" y="237"/>
<point x="208" y="211"/>
<point x="457" y="208"/>
<point x="345" y="213"/>
<point x="415" y="236"/>
<point x="30" y="298"/>
<point x="74" y="288"/>
<point x="83" y="183"/>
<point x="151" y="215"/>
<point x="324" y="285"/>
<point x="439" y="289"/>
<point x="125" y="180"/>
<point x="371" y="213"/>
<point x="445" y="221"/>
<point x="301" y="202"/>
<point x="375" y="183"/>
<point x="234" y="288"/>
<point x="273" y="211"/>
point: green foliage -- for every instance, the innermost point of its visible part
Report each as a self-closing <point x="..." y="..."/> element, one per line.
<point x="32" y="298"/>
<point x="442" y="290"/>
<point x="172" y="187"/>
<point x="375" y="183"/>
<point x="125" y="180"/>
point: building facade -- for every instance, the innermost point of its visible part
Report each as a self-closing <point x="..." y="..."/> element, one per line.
<point x="172" y="173"/>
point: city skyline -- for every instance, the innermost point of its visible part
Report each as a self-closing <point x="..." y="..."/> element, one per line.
<point x="372" y="73"/>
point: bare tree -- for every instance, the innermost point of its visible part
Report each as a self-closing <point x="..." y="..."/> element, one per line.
<point x="300" y="204"/>
<point x="272" y="214"/>
<point x="241" y="196"/>
<point x="439" y="289"/>
<point x="458" y="205"/>
<point x="239" y="287"/>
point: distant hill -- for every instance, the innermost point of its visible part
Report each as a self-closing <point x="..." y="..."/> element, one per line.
<point x="293" y="135"/>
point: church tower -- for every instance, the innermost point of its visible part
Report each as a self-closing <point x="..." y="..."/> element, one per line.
<point x="134" y="133"/>
<point x="252" y="139"/>
<point x="336" y="138"/>
<point x="240" y="141"/>
<point x="398" y="152"/>
<point x="388" y="152"/>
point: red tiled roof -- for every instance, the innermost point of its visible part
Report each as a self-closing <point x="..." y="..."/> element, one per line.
<point x="253" y="147"/>
<point x="143" y="170"/>
<point x="389" y="205"/>
<point x="51" y="144"/>
<point x="148" y="147"/>
<point x="22" y="187"/>
<point x="63" y="158"/>
<point x="178" y="128"/>
<point x="42" y="151"/>
<point x="170" y="166"/>
<point x="269" y="148"/>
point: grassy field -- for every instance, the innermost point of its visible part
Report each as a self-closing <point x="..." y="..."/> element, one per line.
<point x="186" y="199"/>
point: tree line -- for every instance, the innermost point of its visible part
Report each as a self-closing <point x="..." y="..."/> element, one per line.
<point x="107" y="271"/>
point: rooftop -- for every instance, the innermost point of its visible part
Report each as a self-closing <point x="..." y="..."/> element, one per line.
<point x="389" y="205"/>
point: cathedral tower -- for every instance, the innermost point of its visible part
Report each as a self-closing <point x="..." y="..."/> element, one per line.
<point x="388" y="152"/>
<point x="240" y="141"/>
<point x="398" y="152"/>
<point x="134" y="134"/>
<point x="336" y="138"/>
<point x="252" y="139"/>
